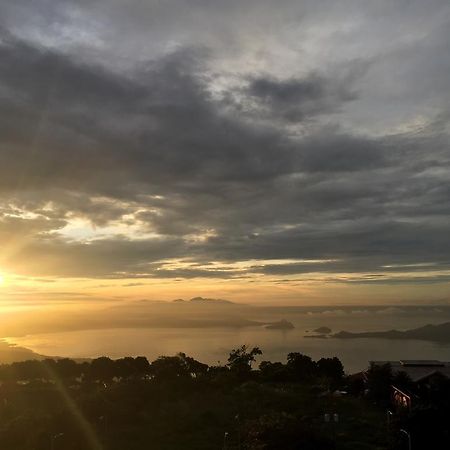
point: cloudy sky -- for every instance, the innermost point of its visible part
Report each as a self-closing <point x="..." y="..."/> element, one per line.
<point x="289" y="150"/>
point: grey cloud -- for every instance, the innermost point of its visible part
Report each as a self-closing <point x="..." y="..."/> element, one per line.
<point x="358" y="246"/>
<point x="339" y="153"/>
<point x="298" y="99"/>
<point x="376" y="265"/>
<point x="122" y="134"/>
<point x="154" y="144"/>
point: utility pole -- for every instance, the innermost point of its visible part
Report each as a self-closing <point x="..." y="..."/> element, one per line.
<point x="225" y="440"/>
<point x="238" y="430"/>
<point x="408" y="435"/>
<point x="53" y="439"/>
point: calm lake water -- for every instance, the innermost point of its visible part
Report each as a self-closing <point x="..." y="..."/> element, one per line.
<point x="213" y="345"/>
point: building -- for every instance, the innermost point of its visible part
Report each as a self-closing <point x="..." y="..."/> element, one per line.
<point x="422" y="375"/>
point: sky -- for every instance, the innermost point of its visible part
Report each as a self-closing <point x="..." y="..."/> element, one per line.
<point x="289" y="151"/>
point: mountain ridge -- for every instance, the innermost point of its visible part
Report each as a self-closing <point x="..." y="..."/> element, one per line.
<point x="438" y="333"/>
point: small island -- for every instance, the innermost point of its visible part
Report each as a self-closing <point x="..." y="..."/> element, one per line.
<point x="280" y="325"/>
<point x="322" y="330"/>
<point x="320" y="333"/>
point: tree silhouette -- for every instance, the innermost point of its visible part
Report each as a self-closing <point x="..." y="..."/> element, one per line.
<point x="273" y="371"/>
<point x="379" y="380"/>
<point x="300" y="366"/>
<point x="179" y="366"/>
<point x="102" y="369"/>
<point x="332" y="369"/>
<point x="241" y="359"/>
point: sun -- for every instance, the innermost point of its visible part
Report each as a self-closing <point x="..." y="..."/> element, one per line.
<point x="2" y="279"/>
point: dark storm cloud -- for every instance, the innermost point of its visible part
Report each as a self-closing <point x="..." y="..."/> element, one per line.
<point x="153" y="146"/>
<point x="73" y="122"/>
<point x="298" y="99"/>
<point x="379" y="241"/>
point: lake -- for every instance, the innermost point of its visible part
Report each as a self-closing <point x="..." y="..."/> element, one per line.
<point x="212" y="345"/>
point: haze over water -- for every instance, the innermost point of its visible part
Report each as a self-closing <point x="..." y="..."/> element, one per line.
<point x="212" y="345"/>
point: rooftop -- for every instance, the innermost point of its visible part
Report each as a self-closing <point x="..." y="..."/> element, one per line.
<point x="418" y="369"/>
<point x="422" y="362"/>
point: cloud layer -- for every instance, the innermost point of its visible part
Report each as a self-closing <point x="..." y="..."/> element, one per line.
<point x="135" y="143"/>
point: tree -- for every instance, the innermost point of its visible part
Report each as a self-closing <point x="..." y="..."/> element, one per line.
<point x="241" y="359"/>
<point x="179" y="366"/>
<point x="102" y="369"/>
<point x="142" y="365"/>
<point x="332" y="369"/>
<point x="125" y="367"/>
<point x="379" y="380"/>
<point x="402" y="380"/>
<point x="356" y="384"/>
<point x="193" y="367"/>
<point x="300" y="366"/>
<point x="28" y="370"/>
<point x="168" y="368"/>
<point x="130" y="367"/>
<point x="67" y="369"/>
<point x="273" y="371"/>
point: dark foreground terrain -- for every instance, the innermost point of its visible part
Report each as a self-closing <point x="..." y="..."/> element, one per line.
<point x="179" y="403"/>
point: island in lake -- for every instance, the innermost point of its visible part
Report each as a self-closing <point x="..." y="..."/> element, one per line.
<point x="438" y="333"/>
<point x="320" y="333"/>
<point x="280" y="325"/>
<point x="322" y="330"/>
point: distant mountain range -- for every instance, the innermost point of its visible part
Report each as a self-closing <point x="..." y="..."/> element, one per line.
<point x="204" y="300"/>
<point x="439" y="333"/>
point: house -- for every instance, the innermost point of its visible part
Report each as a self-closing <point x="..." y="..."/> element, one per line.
<point x="422" y="375"/>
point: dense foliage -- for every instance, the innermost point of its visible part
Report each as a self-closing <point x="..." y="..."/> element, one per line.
<point x="177" y="402"/>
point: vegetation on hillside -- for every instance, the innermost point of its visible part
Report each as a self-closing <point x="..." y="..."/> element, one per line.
<point x="177" y="402"/>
